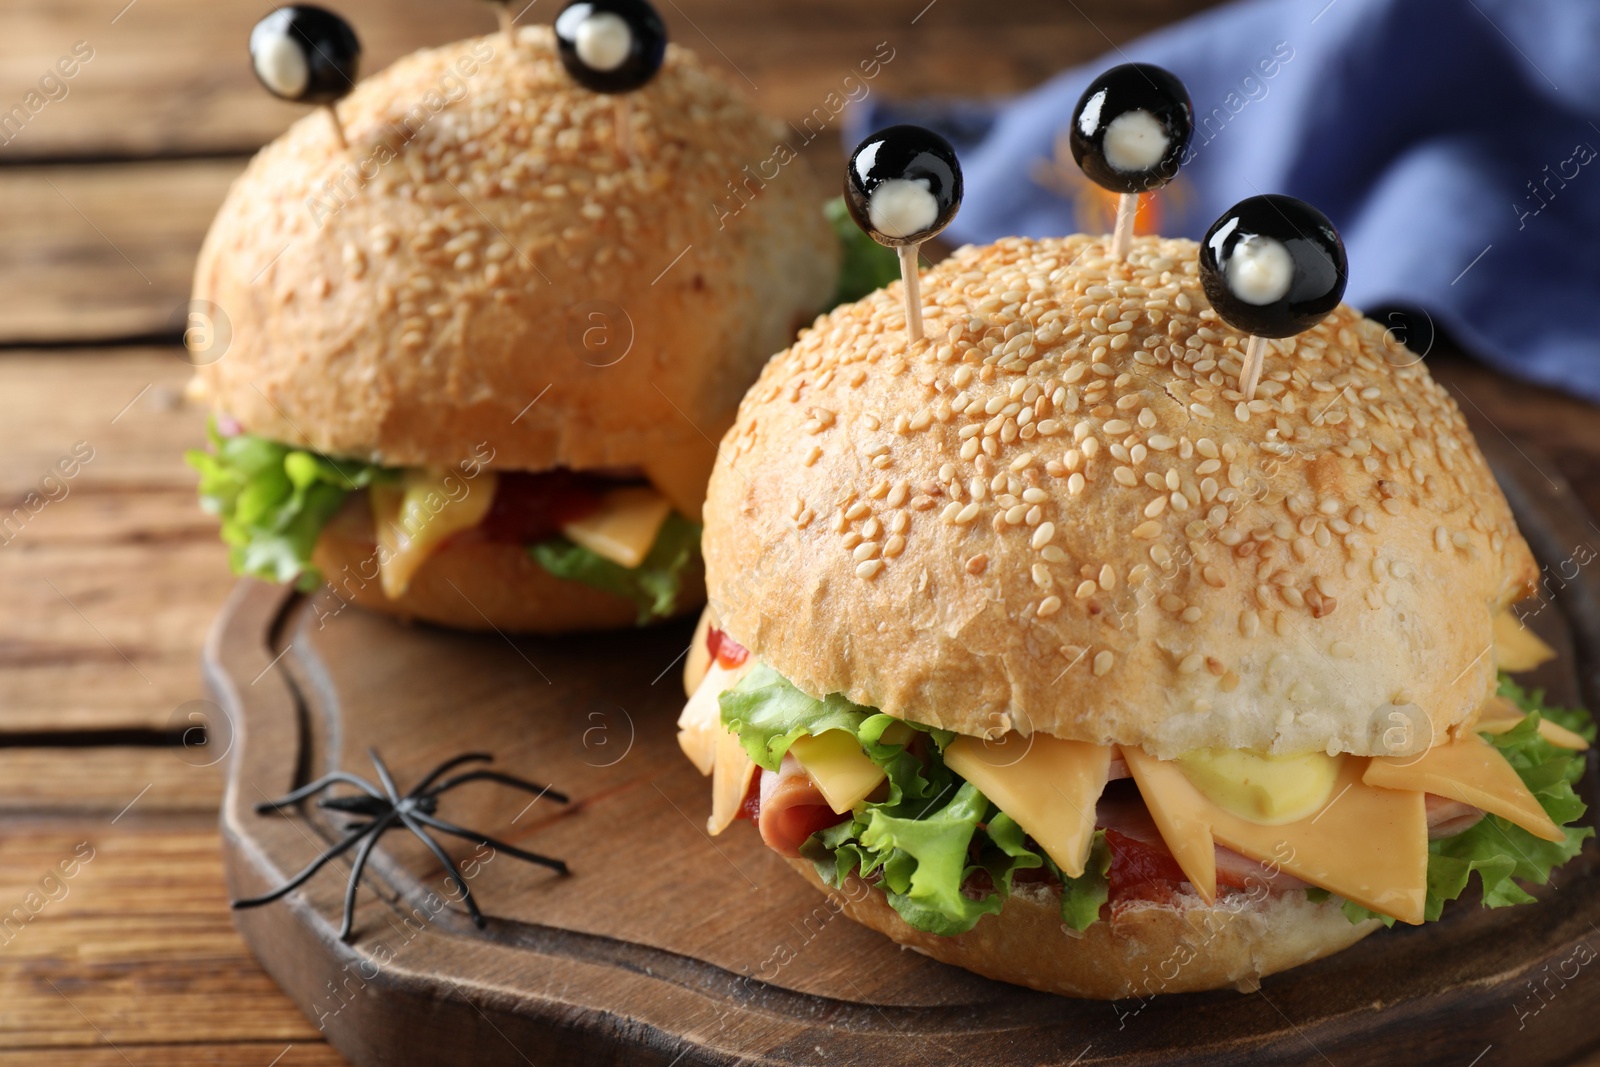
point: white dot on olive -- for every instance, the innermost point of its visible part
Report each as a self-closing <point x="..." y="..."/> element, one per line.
<point x="1260" y="270"/>
<point x="1135" y="141"/>
<point x="281" y="65"/>
<point x="902" y="207"/>
<point x="603" y="41"/>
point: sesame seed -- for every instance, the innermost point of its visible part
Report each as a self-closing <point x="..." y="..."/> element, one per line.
<point x="1249" y="623"/>
<point x="1075" y="484"/>
<point x="869" y="569"/>
<point x="976" y="564"/>
<point x="1049" y="606"/>
<point x="1117" y="426"/>
<point x="1191" y="663"/>
<point x="1155" y="507"/>
<point x="1086" y="588"/>
<point x="1126" y="476"/>
<point x="1147" y="531"/>
<point x="1102" y="663"/>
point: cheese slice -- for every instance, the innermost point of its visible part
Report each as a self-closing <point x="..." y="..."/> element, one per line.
<point x="731" y="773"/>
<point x="624" y="527"/>
<point x="714" y="749"/>
<point x="1499" y="715"/>
<point x="1179" y="811"/>
<point x="1051" y="790"/>
<point x="698" y="659"/>
<point x="1367" y="844"/>
<point x="681" y="474"/>
<point x="843" y="772"/>
<point x="415" y="517"/>
<point x="1517" y="648"/>
<point x="700" y="722"/>
<point x="1473" y="771"/>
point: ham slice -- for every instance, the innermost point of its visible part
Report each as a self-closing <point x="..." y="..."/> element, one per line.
<point x="1447" y="817"/>
<point x="792" y="808"/>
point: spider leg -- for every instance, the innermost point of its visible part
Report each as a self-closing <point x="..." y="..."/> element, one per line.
<point x="360" y="804"/>
<point x="360" y="864"/>
<point x="317" y="786"/>
<point x="304" y="876"/>
<point x="503" y="779"/>
<point x="449" y="865"/>
<point x="485" y="839"/>
<point x="384" y="776"/>
<point x="449" y="765"/>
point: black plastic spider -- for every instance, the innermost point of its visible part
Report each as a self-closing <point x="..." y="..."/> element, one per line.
<point x="385" y="810"/>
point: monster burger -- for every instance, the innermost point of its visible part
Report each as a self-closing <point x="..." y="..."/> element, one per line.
<point x="1103" y="678"/>
<point x="486" y="324"/>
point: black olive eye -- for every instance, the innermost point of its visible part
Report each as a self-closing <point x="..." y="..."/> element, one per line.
<point x="611" y="46"/>
<point x="903" y="185"/>
<point x="1131" y="127"/>
<point x="305" y="54"/>
<point x="1273" y="266"/>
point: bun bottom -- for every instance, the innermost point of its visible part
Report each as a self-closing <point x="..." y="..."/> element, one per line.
<point x="1148" y="948"/>
<point x="482" y="585"/>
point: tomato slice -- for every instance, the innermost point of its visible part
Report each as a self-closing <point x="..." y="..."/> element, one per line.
<point x="724" y="649"/>
<point x="533" y="506"/>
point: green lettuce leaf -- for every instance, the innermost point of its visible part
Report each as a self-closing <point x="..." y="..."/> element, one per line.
<point x="930" y="835"/>
<point x="867" y="265"/>
<point x="274" y="500"/>
<point x="769" y="714"/>
<point x="924" y="842"/>
<point x="653" y="585"/>
<point x="1499" y="852"/>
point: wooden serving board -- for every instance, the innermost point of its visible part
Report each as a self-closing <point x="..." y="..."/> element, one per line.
<point x="665" y="946"/>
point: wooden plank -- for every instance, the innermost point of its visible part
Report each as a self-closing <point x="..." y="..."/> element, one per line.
<point x="126" y="783"/>
<point x="112" y="584"/>
<point x="235" y="1054"/>
<point x="136" y="950"/>
<point x="103" y="252"/>
<point x="196" y="92"/>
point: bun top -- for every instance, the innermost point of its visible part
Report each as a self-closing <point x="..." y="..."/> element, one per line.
<point x="1057" y="513"/>
<point x="486" y="242"/>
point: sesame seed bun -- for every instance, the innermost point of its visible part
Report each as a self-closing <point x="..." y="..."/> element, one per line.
<point x="1057" y="513"/>
<point x="476" y="585"/>
<point x="1144" y="949"/>
<point x="408" y="298"/>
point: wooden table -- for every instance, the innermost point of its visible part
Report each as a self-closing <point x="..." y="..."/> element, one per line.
<point x="111" y="577"/>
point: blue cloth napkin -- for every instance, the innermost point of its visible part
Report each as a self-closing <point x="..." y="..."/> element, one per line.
<point x="1454" y="143"/>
